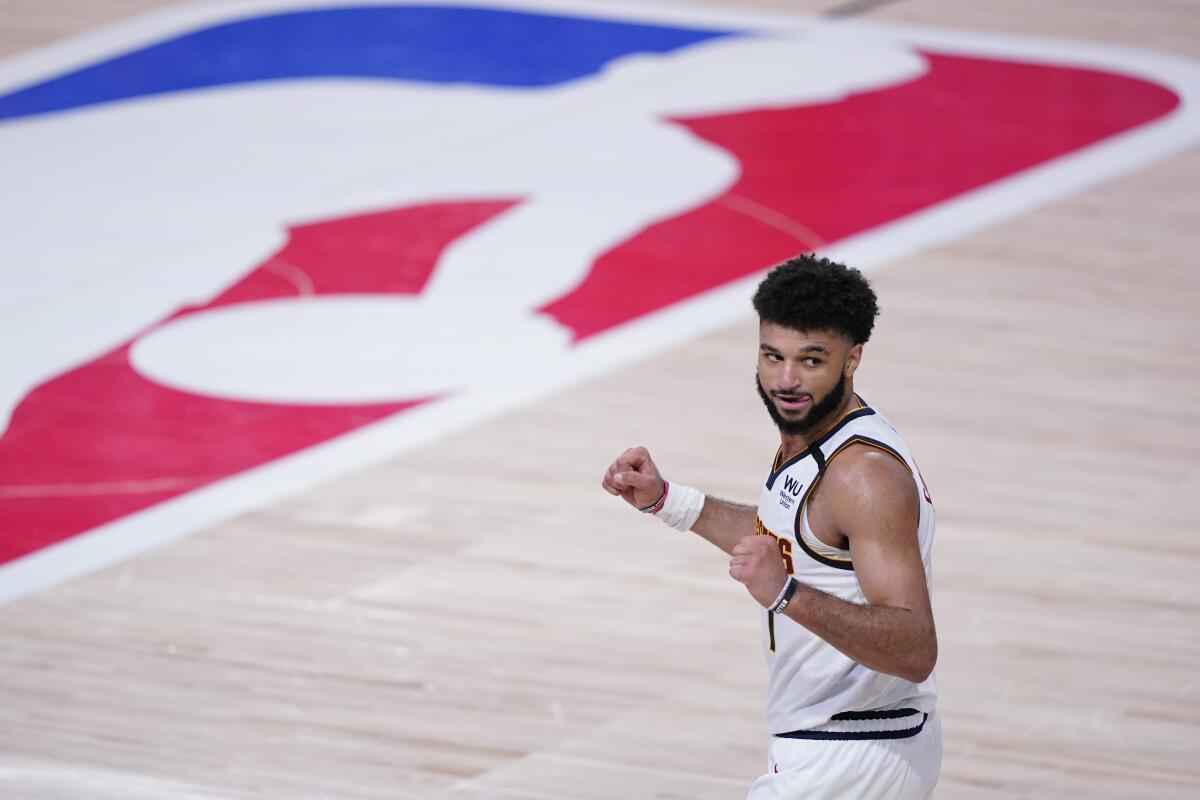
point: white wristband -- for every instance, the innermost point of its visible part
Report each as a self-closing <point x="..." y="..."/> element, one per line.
<point x="682" y="507"/>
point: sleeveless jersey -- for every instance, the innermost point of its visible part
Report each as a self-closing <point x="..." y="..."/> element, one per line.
<point x="809" y="680"/>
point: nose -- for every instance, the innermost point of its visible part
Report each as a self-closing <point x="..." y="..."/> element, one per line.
<point x="789" y="378"/>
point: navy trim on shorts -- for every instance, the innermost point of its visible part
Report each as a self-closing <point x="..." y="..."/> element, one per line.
<point x="843" y="736"/>
<point x="894" y="713"/>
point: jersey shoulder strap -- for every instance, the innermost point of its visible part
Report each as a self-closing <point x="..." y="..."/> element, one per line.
<point x="866" y="426"/>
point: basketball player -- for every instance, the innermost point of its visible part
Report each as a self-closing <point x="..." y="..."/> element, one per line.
<point x="837" y="553"/>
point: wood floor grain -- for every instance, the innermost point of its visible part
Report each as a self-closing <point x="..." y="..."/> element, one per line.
<point x="477" y="619"/>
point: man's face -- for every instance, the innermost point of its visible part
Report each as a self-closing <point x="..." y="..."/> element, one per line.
<point x="802" y="375"/>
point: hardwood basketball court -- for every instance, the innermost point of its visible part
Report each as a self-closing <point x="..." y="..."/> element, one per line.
<point x="478" y="619"/>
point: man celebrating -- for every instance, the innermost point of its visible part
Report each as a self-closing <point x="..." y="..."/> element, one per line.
<point x="837" y="552"/>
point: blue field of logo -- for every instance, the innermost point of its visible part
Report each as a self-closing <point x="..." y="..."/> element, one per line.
<point x="432" y="44"/>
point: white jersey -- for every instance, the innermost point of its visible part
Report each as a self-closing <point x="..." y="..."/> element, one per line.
<point x="809" y="680"/>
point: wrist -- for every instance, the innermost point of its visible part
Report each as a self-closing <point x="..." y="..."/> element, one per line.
<point x="785" y="596"/>
<point x="658" y="504"/>
<point x="680" y="506"/>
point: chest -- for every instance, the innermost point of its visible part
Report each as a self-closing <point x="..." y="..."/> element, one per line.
<point x="791" y="498"/>
<point x="784" y="494"/>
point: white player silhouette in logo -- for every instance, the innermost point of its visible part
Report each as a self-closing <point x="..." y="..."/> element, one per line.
<point x="117" y="215"/>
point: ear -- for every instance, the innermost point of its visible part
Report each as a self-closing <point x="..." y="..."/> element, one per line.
<point x="853" y="359"/>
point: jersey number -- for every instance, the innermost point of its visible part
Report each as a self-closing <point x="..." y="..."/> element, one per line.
<point x="785" y="550"/>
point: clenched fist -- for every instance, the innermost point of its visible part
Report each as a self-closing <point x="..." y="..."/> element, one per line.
<point x="758" y="564"/>
<point x="634" y="478"/>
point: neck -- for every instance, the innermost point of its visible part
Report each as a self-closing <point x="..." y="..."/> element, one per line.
<point x="801" y="442"/>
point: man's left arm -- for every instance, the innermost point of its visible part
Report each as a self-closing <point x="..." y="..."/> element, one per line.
<point x="870" y="498"/>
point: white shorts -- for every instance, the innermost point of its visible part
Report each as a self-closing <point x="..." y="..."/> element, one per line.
<point x="854" y="768"/>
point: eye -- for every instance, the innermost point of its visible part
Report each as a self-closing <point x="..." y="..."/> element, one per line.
<point x="812" y="362"/>
<point x="773" y="356"/>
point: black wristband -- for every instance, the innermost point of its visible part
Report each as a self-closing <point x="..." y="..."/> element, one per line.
<point x="785" y="596"/>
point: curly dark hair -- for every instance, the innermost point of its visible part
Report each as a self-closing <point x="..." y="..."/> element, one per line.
<point x="808" y="293"/>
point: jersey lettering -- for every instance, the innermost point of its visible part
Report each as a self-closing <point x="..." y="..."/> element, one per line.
<point x="785" y="545"/>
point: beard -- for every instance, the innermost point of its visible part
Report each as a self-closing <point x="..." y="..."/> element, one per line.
<point x="819" y="412"/>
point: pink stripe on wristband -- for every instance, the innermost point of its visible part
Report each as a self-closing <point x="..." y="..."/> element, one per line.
<point x="662" y="501"/>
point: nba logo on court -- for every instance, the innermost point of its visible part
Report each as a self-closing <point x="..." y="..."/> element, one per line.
<point x="249" y="247"/>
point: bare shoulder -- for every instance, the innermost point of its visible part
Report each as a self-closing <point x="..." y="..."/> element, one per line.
<point x="865" y="487"/>
<point x="862" y="467"/>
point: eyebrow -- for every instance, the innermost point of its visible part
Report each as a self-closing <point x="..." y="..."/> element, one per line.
<point x="812" y="348"/>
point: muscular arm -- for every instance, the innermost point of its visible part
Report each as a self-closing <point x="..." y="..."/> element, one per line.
<point x="868" y="497"/>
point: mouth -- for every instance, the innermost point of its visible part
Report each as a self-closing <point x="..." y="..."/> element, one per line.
<point x="792" y="402"/>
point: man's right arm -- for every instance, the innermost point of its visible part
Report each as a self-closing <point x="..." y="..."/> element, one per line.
<point x="634" y="477"/>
